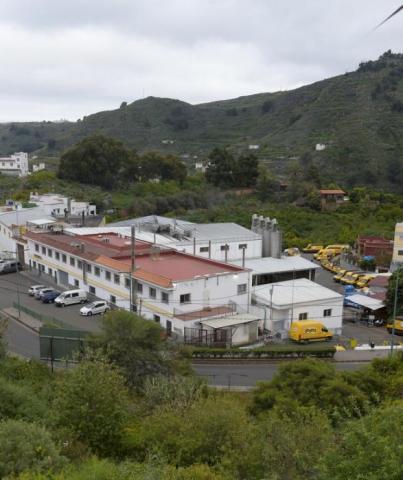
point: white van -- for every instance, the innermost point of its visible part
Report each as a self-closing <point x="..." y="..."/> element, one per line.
<point x="70" y="297"/>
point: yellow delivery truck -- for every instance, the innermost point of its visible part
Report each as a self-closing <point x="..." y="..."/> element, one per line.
<point x="309" y="331"/>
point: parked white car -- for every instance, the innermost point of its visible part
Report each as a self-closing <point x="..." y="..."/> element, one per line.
<point x="94" y="308"/>
<point x="35" y="288"/>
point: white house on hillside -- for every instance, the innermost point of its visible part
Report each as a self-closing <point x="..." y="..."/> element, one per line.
<point x="59" y="206"/>
<point x="16" y="164"/>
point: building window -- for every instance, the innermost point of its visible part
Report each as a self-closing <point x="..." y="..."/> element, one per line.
<point x="72" y="261"/>
<point x="152" y="292"/>
<point x="64" y="258"/>
<point x="157" y="319"/>
<point x="116" y="278"/>
<point x="76" y="283"/>
<point x="57" y="255"/>
<point x="185" y="298"/>
<point x="50" y="271"/>
<point x="50" y="253"/>
<point x="127" y="282"/>
<point x="79" y="264"/>
<point x="164" y="297"/>
<point x="92" y="290"/>
<point x="43" y="251"/>
<point x="243" y="246"/>
<point x="107" y="275"/>
<point x="223" y="248"/>
<point x="34" y="264"/>
<point x="97" y="271"/>
<point x="303" y="316"/>
<point x="327" y="312"/>
<point x="204" y="249"/>
<point x="242" y="288"/>
<point x="89" y="268"/>
<point x="36" y="245"/>
<point x="400" y="253"/>
<point x="140" y="287"/>
<point x="113" y="299"/>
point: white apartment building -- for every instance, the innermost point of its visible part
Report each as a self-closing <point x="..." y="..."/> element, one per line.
<point x="175" y="289"/>
<point x="58" y="205"/>
<point x="16" y="164"/>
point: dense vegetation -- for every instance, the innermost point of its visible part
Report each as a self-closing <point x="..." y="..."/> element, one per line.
<point x="358" y="116"/>
<point x="131" y="410"/>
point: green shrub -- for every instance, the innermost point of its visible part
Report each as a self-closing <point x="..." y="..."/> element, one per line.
<point x="25" y="446"/>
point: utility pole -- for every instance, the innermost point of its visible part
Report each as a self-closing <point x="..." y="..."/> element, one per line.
<point x="133" y="285"/>
<point x="395" y="310"/>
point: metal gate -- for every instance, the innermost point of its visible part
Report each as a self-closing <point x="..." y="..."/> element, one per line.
<point x="63" y="277"/>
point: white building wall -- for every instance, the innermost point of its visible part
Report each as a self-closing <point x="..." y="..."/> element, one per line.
<point x="204" y="292"/>
<point x="7" y="242"/>
<point x="16" y="164"/>
<point x="281" y="318"/>
<point x="234" y="252"/>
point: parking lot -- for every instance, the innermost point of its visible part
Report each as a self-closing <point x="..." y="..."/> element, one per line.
<point x="358" y="331"/>
<point x="14" y="286"/>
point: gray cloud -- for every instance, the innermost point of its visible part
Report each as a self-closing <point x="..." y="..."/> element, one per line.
<point x="71" y="58"/>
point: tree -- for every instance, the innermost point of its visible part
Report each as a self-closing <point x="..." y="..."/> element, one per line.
<point x="369" y="448"/>
<point x="3" y="329"/>
<point x="267" y="186"/>
<point x="287" y="441"/>
<point x="96" y="160"/>
<point x="137" y="347"/>
<point x="26" y="447"/>
<point x="91" y="402"/>
<point x="246" y="171"/>
<point x="391" y="293"/>
<point x="19" y="401"/>
<point x="220" y="170"/>
<point x="310" y="383"/>
<point x="153" y="165"/>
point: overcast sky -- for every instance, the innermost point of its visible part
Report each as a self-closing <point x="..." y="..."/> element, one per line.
<point x="69" y="58"/>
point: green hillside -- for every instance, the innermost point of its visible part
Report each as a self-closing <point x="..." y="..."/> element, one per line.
<point x="358" y="115"/>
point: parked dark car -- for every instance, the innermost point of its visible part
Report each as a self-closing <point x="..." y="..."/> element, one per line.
<point x="49" y="297"/>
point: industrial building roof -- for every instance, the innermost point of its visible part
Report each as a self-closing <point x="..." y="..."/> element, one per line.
<point x="23" y="215"/>
<point x="222" y="231"/>
<point x="300" y="290"/>
<point x="182" y="232"/>
<point x="267" y="265"/>
<point x="366" y="301"/>
<point x="231" y="320"/>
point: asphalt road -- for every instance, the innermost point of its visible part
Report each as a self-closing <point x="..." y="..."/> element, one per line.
<point x="247" y="375"/>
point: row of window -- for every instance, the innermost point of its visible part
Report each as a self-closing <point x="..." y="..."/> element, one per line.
<point x="326" y="313"/>
<point x="223" y="248"/>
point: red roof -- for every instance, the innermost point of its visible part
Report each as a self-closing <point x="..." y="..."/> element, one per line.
<point x="332" y="192"/>
<point x="161" y="268"/>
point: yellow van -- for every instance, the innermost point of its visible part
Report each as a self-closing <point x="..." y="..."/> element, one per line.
<point x="364" y="280"/>
<point x="311" y="248"/>
<point x="351" y="278"/>
<point x="398" y="326"/>
<point x="309" y="331"/>
<point x="339" y="248"/>
<point x="339" y="275"/>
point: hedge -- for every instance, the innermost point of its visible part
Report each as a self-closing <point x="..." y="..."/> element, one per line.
<point x="276" y="351"/>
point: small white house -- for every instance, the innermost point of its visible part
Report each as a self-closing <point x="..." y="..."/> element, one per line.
<point x="16" y="164"/>
<point x="38" y="167"/>
<point x="58" y="205"/>
<point x="320" y="147"/>
<point x="254" y="147"/>
<point x="300" y="299"/>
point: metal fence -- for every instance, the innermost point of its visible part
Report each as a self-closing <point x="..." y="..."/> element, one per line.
<point x="46" y="319"/>
<point x="60" y="345"/>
